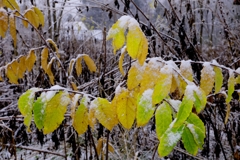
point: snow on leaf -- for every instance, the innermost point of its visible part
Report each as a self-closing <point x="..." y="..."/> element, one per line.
<point x="90" y="63"/>
<point x="145" y="108"/>
<point x="80" y="117"/>
<point x="120" y="64"/>
<point x="134" y="76"/>
<point x="169" y="140"/>
<point x="12" y="28"/>
<point x="74" y="103"/>
<point x="207" y="78"/>
<point x="198" y="135"/>
<point x="231" y="83"/>
<point x="105" y="113"/>
<point x="44" y="59"/>
<point x="54" y="112"/>
<point x="163" y="86"/>
<point x="3" y="22"/>
<point x="163" y="118"/>
<point x="25" y="105"/>
<point x="187" y="72"/>
<point x="218" y="79"/>
<point x="32" y="17"/>
<point x="125" y="103"/>
<point x="30" y="60"/>
<point x="70" y="68"/>
<point x="188" y="141"/>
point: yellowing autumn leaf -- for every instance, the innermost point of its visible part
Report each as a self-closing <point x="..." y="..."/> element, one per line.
<point x="120" y="64"/>
<point x="105" y="113"/>
<point x="231" y="83"/>
<point x="80" y="118"/>
<point x="53" y="44"/>
<point x="11" y="75"/>
<point x="12" y="28"/>
<point x="32" y="17"/>
<point x="40" y="15"/>
<point x="134" y="76"/>
<point x="12" y="4"/>
<point x="44" y="58"/>
<point x="90" y="63"/>
<point x="207" y="78"/>
<point x="126" y="105"/>
<point x="3" y="22"/>
<point x="30" y="60"/>
<point x="21" y="66"/>
<point x="78" y="65"/>
<point x="137" y="44"/>
<point x="54" y="112"/>
<point x="163" y="86"/>
<point x="49" y="71"/>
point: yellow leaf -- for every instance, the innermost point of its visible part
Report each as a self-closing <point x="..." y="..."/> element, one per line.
<point x="30" y="60"/>
<point x="54" y="45"/>
<point x="44" y="58"/>
<point x="11" y="75"/>
<point x="70" y="68"/>
<point x="40" y="15"/>
<point x="12" y="4"/>
<point x="12" y="27"/>
<point x="90" y="63"/>
<point x="32" y="17"/>
<point x="80" y="118"/>
<point x="207" y="78"/>
<point x="21" y="66"/>
<point x="74" y="86"/>
<point x="91" y="117"/>
<point x="14" y="65"/>
<point x="163" y="86"/>
<point x="125" y="103"/>
<point x="3" y="22"/>
<point x="187" y="73"/>
<point x="49" y="71"/>
<point x="78" y="65"/>
<point x="99" y="146"/>
<point x="105" y="113"/>
<point x="137" y="44"/>
<point x="74" y="104"/>
<point x="134" y="76"/>
<point x="120" y="64"/>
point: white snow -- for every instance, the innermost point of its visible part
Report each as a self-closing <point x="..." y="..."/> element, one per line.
<point x="166" y="70"/>
<point x="173" y="138"/>
<point x="238" y="70"/>
<point x="146" y="99"/>
<point x="175" y="104"/>
<point x="123" y="21"/>
<point x="189" y="91"/>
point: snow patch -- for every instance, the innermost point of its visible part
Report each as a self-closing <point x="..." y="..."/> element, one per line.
<point x="173" y="138"/>
<point x="146" y="99"/>
<point x="175" y="104"/>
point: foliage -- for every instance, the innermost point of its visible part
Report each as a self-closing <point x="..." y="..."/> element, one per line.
<point x="165" y="90"/>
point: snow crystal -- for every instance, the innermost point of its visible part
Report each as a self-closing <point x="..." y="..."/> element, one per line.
<point x="214" y="62"/>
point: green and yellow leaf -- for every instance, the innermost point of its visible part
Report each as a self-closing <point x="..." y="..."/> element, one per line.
<point x="134" y="76"/>
<point x="188" y="141"/>
<point x="218" y="79"/>
<point x="200" y="99"/>
<point x="231" y="83"/>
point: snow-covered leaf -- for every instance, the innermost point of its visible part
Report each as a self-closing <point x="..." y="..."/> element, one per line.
<point x="197" y="134"/>
<point x="134" y="76"/>
<point x="145" y="109"/>
<point x="163" y="118"/>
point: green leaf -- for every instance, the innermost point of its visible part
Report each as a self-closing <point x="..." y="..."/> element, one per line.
<point x="218" y="79"/>
<point x="198" y="134"/>
<point x="39" y="110"/>
<point x="163" y="86"/>
<point x="80" y="118"/>
<point x="231" y="83"/>
<point x="195" y="120"/>
<point x="25" y="105"/>
<point x="200" y="99"/>
<point x="163" y="118"/>
<point x="185" y="108"/>
<point x="169" y="140"/>
<point x="145" y="109"/>
<point x="54" y="112"/>
<point x="189" y="142"/>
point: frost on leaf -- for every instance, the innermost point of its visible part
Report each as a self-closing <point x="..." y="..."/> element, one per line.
<point x="151" y="74"/>
<point x="80" y="117"/>
<point x="125" y="103"/>
<point x="3" y="22"/>
<point x="32" y="17"/>
<point x="105" y="113"/>
<point x="198" y="135"/>
<point x="25" y="105"/>
<point x="54" y="112"/>
<point x="163" y="86"/>
<point x="134" y="76"/>
<point x="39" y="110"/>
<point x="11" y="73"/>
<point x="207" y="78"/>
<point x="169" y="140"/>
<point x="187" y="72"/>
<point x="145" y="108"/>
<point x="200" y="99"/>
<point x="163" y="117"/>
